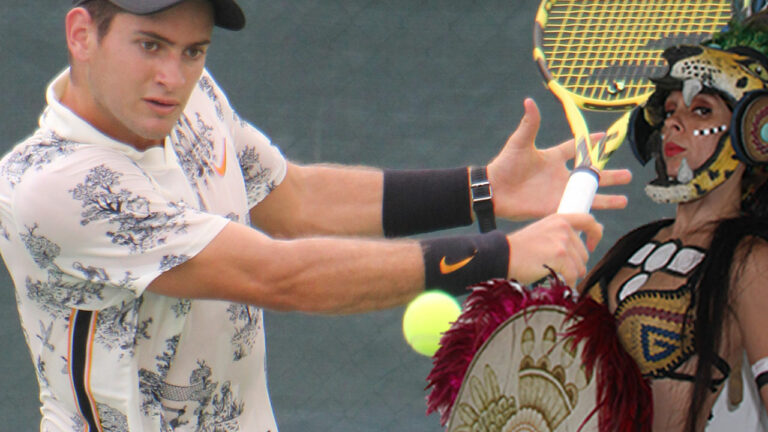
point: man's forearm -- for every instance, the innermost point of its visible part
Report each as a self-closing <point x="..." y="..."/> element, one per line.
<point x="323" y="200"/>
<point x="361" y="201"/>
<point x="316" y="275"/>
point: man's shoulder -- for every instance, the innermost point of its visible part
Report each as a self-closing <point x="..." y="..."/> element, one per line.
<point x="46" y="149"/>
<point x="208" y="87"/>
<point x="40" y="148"/>
<point x="208" y="97"/>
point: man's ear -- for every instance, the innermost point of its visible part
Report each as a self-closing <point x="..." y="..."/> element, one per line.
<point x="81" y="34"/>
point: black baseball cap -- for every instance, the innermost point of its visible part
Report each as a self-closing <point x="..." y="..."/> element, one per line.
<point x="227" y="14"/>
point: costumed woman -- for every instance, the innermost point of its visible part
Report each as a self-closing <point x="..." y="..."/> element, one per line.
<point x="684" y="297"/>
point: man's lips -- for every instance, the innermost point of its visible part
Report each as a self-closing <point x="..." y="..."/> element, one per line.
<point x="162" y="106"/>
<point x="671" y="149"/>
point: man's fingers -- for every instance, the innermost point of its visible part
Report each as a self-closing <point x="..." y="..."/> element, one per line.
<point x="609" y="202"/>
<point x="579" y="247"/>
<point x="525" y="134"/>
<point x="571" y="276"/>
<point x="554" y="242"/>
<point x="615" y="177"/>
<point x="572" y="271"/>
<point x="587" y="224"/>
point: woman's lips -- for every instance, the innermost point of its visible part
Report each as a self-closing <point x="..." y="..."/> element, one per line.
<point x="671" y="149"/>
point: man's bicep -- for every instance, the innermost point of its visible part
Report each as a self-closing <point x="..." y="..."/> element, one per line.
<point x="232" y="266"/>
<point x="316" y="275"/>
<point x="278" y="213"/>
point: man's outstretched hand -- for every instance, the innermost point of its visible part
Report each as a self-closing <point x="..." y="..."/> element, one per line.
<point x="528" y="182"/>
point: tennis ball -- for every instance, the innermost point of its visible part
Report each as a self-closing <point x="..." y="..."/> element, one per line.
<point x="426" y="318"/>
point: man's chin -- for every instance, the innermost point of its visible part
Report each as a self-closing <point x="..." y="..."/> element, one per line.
<point x="147" y="138"/>
<point x="157" y="132"/>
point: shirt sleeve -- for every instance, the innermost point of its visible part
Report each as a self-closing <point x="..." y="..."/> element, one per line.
<point x="262" y="164"/>
<point x="102" y="231"/>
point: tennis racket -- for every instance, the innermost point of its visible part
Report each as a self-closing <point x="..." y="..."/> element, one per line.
<point x="598" y="54"/>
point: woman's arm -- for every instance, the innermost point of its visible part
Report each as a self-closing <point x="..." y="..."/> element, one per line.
<point x="750" y="302"/>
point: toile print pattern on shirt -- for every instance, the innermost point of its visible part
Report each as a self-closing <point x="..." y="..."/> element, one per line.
<point x="256" y="176"/>
<point x="213" y="406"/>
<point x="194" y="144"/>
<point x="208" y="87"/>
<point x="247" y="322"/>
<point x="83" y="256"/>
<point x="48" y="146"/>
<point x="61" y="292"/>
<point x="44" y="336"/>
<point x="138" y="226"/>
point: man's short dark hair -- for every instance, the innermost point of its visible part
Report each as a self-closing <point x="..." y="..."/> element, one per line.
<point x="102" y="12"/>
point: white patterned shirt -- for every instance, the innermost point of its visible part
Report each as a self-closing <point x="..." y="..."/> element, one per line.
<point x="86" y="223"/>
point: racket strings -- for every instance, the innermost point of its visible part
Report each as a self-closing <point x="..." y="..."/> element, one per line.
<point x="605" y="49"/>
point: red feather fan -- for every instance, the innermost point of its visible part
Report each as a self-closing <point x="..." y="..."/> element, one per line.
<point x="624" y="401"/>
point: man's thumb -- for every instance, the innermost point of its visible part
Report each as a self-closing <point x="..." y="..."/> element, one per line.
<point x="529" y="124"/>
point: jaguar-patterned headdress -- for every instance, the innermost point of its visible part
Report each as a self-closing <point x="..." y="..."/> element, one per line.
<point x="734" y="66"/>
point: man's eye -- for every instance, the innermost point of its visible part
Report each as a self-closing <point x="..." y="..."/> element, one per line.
<point x="149" y="45"/>
<point x="195" y="52"/>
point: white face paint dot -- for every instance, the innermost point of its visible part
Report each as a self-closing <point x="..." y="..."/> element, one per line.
<point x="709" y="131"/>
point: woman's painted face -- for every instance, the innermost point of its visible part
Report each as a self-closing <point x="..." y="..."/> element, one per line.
<point x="691" y="133"/>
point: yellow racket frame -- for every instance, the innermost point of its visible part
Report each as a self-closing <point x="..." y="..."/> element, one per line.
<point x="703" y="17"/>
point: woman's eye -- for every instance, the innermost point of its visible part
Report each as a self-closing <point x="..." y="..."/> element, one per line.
<point x="702" y="111"/>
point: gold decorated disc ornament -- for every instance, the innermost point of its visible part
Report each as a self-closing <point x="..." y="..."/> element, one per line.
<point x="536" y="359"/>
<point x="526" y="377"/>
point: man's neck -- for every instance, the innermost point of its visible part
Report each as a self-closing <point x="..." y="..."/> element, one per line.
<point x="80" y="102"/>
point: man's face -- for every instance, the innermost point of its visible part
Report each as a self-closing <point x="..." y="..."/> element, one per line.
<point x="142" y="72"/>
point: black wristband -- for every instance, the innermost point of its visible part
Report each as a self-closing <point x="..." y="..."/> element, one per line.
<point x="418" y="201"/>
<point x="482" y="198"/>
<point x="454" y="263"/>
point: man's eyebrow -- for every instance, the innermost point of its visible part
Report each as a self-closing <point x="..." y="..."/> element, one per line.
<point x="165" y="40"/>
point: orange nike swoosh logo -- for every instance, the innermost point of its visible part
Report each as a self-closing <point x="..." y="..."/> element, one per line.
<point x="221" y="168"/>
<point x="446" y="268"/>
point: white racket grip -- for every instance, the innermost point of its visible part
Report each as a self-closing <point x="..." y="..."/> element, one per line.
<point x="579" y="192"/>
